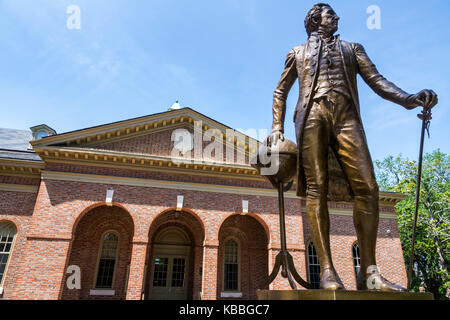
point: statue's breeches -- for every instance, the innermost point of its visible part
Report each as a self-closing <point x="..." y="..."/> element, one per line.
<point x="333" y="126"/>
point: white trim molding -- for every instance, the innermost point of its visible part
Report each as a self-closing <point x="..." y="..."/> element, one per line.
<point x="102" y="292"/>
<point x="18" y="187"/>
<point x="231" y="294"/>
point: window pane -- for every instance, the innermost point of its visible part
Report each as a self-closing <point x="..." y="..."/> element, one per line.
<point x="313" y="267"/>
<point x="2" y="268"/>
<point x="109" y="249"/>
<point x="105" y="273"/>
<point x="231" y="266"/>
<point x="231" y="277"/>
<point x="178" y="272"/>
<point x="107" y="261"/>
<point x="160" y="272"/>
<point x="7" y="232"/>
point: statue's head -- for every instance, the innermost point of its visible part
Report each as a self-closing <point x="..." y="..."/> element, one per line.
<point x="321" y="17"/>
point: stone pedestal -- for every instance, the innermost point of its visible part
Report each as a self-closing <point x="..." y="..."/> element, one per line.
<point x="340" y="295"/>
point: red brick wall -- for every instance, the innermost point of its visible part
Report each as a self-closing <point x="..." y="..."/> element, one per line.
<point x="161" y="144"/>
<point x="16" y="207"/>
<point x="17" y="203"/>
<point x="41" y="269"/>
<point x="86" y="246"/>
<point x="17" y="254"/>
<point x="389" y="253"/>
<point x="39" y="266"/>
<point x="253" y="241"/>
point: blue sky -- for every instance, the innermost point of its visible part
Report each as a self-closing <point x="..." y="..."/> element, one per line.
<point x="222" y="58"/>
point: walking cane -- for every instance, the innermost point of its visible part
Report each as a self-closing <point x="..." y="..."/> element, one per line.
<point x="426" y="117"/>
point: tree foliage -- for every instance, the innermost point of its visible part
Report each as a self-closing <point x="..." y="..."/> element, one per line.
<point x="432" y="245"/>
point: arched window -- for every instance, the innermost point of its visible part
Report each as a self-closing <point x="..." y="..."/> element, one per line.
<point x="231" y="266"/>
<point x="7" y="234"/>
<point x="107" y="261"/>
<point x="313" y="266"/>
<point x="356" y="258"/>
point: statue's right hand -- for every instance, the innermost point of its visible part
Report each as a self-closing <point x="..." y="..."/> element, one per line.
<point x="274" y="137"/>
<point x="426" y="98"/>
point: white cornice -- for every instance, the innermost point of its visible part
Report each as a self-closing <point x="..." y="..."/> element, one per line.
<point x="136" y="161"/>
<point x="22" y="163"/>
<point x="139" y="156"/>
<point x="21" y="167"/>
<point x="18" y="188"/>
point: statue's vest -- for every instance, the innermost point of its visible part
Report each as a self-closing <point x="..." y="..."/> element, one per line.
<point x="342" y="72"/>
<point x="331" y="72"/>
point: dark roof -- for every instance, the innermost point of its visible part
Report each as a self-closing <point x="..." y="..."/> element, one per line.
<point x="19" y="155"/>
<point x="13" y="139"/>
<point x="14" y="145"/>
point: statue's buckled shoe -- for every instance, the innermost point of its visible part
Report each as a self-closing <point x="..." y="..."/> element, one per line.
<point x="381" y="285"/>
<point x="330" y="281"/>
<point x="389" y="286"/>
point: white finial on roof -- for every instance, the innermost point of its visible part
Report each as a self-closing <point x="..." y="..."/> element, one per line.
<point x="175" y="106"/>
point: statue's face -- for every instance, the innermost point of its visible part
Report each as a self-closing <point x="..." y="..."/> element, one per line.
<point x="329" y="21"/>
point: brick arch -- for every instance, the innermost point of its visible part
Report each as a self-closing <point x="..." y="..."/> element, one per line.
<point x="191" y="221"/>
<point x="255" y="216"/>
<point x="253" y="241"/>
<point x="191" y="215"/>
<point x="232" y="232"/>
<point x="193" y="226"/>
<point x="86" y="245"/>
<point x="91" y="207"/>
<point x="258" y="221"/>
<point x="154" y="233"/>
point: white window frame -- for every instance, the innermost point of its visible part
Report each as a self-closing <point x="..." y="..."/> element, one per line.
<point x="231" y="293"/>
<point x="11" y="250"/>
<point x="99" y="257"/>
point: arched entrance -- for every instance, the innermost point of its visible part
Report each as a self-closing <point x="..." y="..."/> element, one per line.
<point x="101" y="248"/>
<point x="170" y="265"/>
<point x="174" y="258"/>
<point x="243" y="257"/>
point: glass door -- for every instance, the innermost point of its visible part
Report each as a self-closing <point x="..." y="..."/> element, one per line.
<point x="168" y="278"/>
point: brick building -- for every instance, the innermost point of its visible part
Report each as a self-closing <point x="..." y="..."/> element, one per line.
<point x="112" y="203"/>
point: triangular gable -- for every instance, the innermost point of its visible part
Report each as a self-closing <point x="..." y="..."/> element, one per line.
<point x="150" y="136"/>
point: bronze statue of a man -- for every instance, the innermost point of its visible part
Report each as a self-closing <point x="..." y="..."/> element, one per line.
<point x="333" y="158"/>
